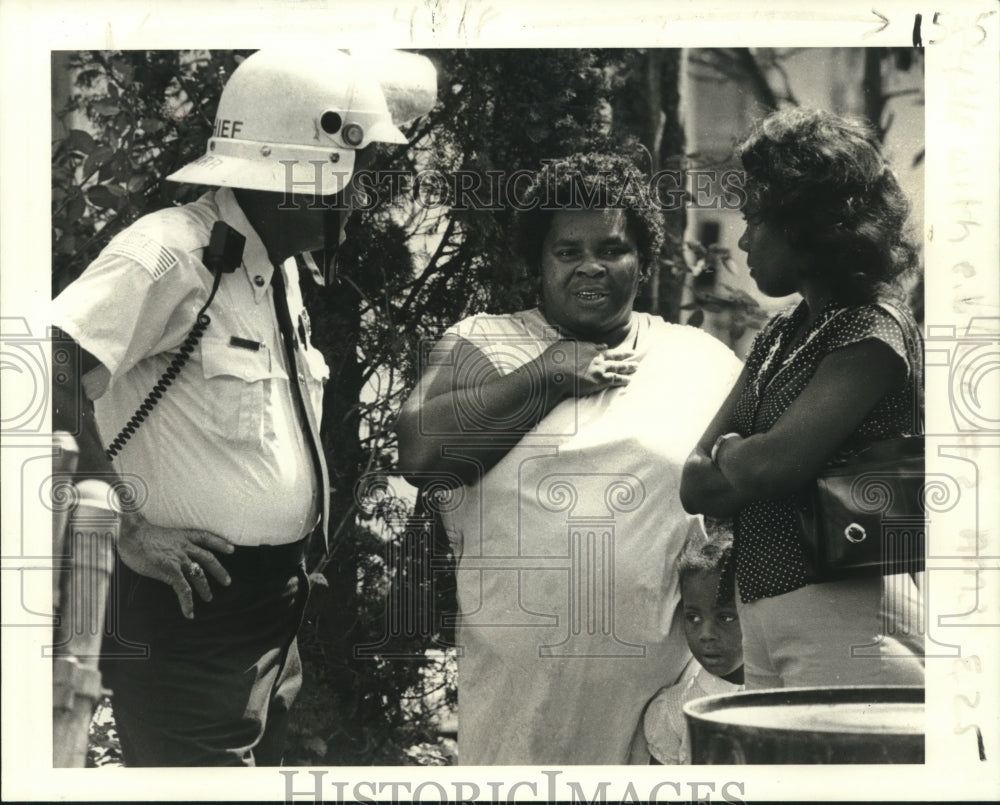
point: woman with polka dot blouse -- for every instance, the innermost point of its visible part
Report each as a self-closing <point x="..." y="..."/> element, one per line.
<point x="825" y="218"/>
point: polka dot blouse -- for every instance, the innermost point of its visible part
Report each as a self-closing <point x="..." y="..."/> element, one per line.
<point x="768" y="550"/>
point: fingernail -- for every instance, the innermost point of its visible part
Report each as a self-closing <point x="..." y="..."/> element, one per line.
<point x="189" y="615"/>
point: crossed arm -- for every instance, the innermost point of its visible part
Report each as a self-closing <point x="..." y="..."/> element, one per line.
<point x="465" y="415"/>
<point x="846" y="386"/>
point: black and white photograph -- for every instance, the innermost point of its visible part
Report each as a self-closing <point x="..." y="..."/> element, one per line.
<point x="462" y="402"/>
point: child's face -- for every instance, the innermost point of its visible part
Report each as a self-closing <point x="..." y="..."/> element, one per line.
<point x="713" y="632"/>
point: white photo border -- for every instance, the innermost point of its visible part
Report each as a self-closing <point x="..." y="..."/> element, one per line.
<point x="961" y="255"/>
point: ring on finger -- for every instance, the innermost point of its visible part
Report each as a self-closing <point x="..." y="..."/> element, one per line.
<point x="194" y="570"/>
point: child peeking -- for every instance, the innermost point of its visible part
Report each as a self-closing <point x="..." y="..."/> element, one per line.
<point x="712" y="628"/>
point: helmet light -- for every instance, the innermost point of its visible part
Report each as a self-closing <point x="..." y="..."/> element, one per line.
<point x="353" y="134"/>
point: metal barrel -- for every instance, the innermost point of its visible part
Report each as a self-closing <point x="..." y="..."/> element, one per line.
<point x="808" y="725"/>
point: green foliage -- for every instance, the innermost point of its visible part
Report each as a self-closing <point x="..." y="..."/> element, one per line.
<point x="742" y="310"/>
<point x="103" y="747"/>
<point x="147" y="113"/>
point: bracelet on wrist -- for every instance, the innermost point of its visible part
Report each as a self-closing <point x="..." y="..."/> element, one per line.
<point x="714" y="455"/>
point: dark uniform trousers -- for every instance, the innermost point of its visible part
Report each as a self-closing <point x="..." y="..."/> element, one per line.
<point x="215" y="690"/>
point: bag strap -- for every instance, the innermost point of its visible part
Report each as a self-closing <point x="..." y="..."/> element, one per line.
<point x="913" y="342"/>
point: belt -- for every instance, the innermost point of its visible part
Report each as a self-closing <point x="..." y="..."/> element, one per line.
<point x="265" y="557"/>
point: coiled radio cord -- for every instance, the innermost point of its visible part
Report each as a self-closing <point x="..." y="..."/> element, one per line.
<point x="169" y="375"/>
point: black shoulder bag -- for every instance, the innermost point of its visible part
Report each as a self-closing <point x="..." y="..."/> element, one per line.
<point x="866" y="514"/>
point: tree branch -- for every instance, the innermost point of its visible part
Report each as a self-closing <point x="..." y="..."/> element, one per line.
<point x="429" y="271"/>
<point x="755" y="75"/>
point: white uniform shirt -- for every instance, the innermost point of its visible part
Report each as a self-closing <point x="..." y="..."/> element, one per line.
<point x="224" y="450"/>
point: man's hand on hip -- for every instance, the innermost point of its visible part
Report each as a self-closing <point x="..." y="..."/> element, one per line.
<point x="178" y="557"/>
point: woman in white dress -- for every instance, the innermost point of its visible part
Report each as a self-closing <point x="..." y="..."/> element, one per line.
<point x="563" y="430"/>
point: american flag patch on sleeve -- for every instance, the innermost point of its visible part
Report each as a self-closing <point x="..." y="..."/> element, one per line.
<point x="147" y="253"/>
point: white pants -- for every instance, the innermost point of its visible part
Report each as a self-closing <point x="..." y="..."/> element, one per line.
<point x="864" y="631"/>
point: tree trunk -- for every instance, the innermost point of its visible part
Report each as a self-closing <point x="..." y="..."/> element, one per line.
<point x="335" y="313"/>
<point x="871" y="87"/>
<point x="672" y="146"/>
<point x="648" y="103"/>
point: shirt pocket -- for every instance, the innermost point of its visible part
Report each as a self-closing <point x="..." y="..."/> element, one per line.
<point x="317" y="373"/>
<point x="235" y="390"/>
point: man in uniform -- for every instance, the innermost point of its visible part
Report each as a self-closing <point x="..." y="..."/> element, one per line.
<point x="195" y="350"/>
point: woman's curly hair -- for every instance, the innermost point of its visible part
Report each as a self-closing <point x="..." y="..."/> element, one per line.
<point x="824" y="180"/>
<point x="711" y="553"/>
<point x="586" y="182"/>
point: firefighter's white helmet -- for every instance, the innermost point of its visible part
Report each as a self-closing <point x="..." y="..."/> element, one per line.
<point x="292" y="121"/>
